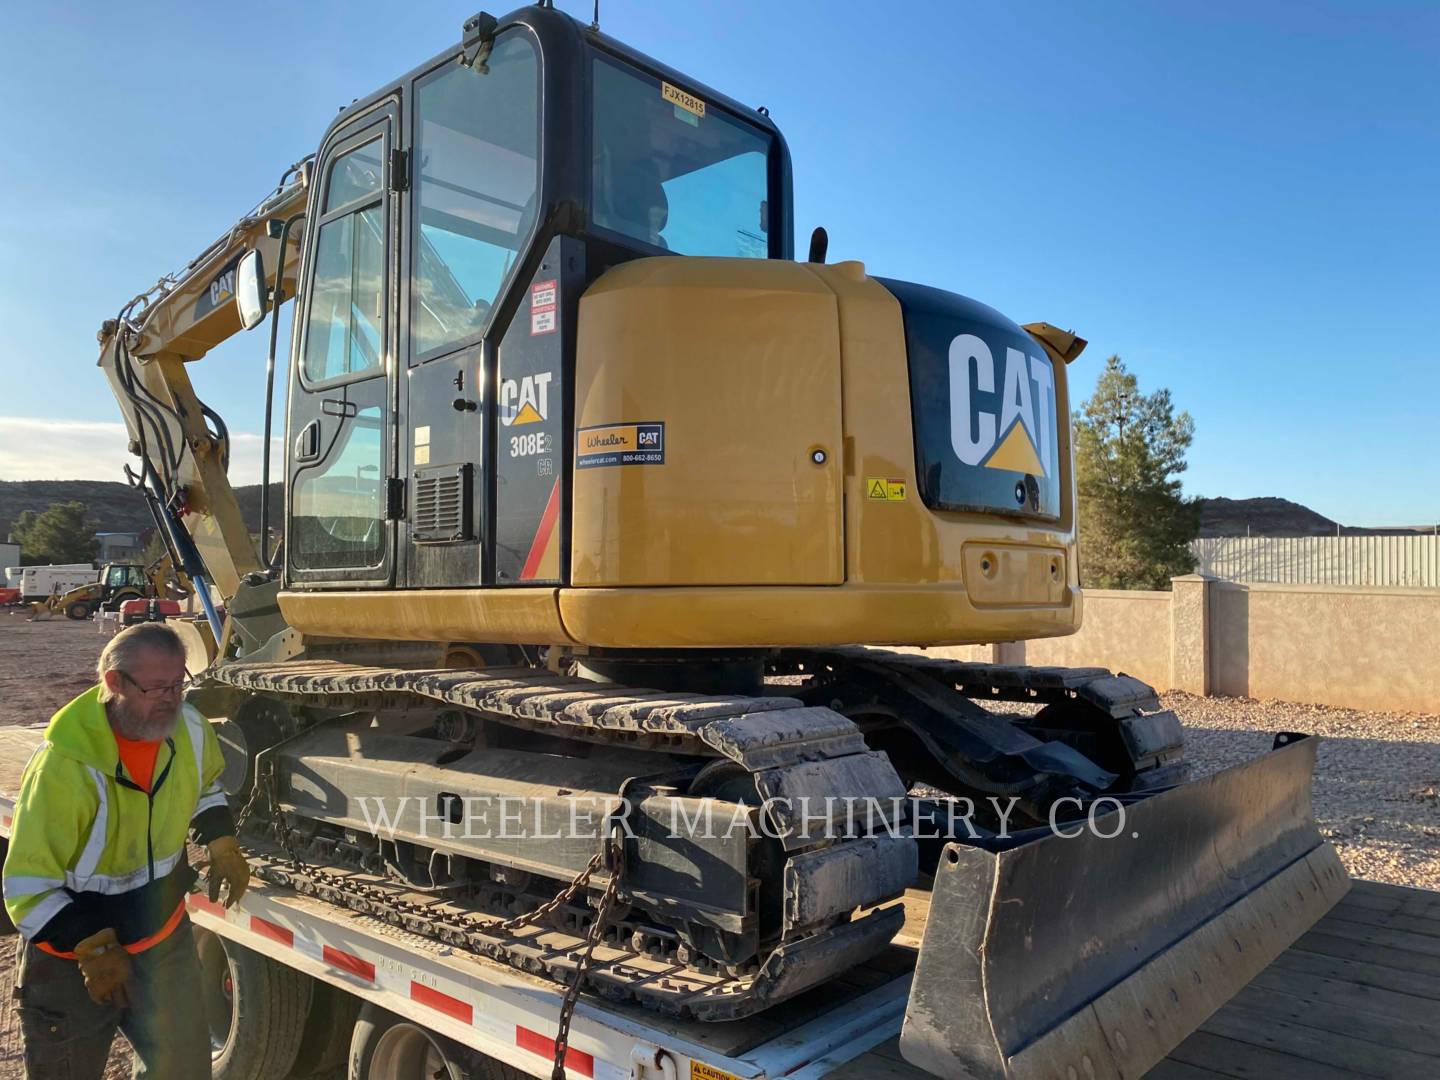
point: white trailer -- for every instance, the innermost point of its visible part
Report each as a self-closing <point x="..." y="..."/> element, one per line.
<point x="302" y="990"/>
<point x="39" y="582"/>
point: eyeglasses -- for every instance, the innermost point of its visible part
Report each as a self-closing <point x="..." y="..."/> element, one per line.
<point x="154" y="692"/>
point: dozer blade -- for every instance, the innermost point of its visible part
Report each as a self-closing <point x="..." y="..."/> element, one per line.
<point x="1093" y="957"/>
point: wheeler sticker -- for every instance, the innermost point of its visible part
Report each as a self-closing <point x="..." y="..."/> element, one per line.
<point x="542" y="307"/>
<point x="679" y="98"/>
<point x="620" y="444"/>
<point x="882" y="490"/>
<point x="525" y="400"/>
<point x="1019" y="435"/>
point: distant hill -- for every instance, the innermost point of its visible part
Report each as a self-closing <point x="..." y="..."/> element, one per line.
<point x="114" y="507"/>
<point x="1279" y="517"/>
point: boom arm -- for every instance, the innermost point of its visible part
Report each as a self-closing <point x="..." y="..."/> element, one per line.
<point x="182" y="443"/>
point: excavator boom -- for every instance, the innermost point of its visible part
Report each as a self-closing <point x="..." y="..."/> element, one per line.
<point x="183" y="445"/>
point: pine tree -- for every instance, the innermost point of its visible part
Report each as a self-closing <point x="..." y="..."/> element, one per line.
<point x="62" y="534"/>
<point x="1135" y="525"/>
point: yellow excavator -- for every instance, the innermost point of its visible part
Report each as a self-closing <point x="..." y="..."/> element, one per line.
<point x="593" y="491"/>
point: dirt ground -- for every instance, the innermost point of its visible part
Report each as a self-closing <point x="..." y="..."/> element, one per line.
<point x="1377" y="780"/>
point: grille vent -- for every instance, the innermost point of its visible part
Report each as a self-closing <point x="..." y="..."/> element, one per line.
<point x="440" y="511"/>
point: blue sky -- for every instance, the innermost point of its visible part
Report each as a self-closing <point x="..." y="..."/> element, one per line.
<point x="1239" y="199"/>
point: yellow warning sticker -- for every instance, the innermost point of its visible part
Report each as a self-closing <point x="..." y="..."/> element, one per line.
<point x="700" y="1071"/>
<point x="883" y="490"/>
<point x="689" y="102"/>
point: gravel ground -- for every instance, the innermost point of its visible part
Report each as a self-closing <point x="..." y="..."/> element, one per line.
<point x="1377" y="775"/>
<point x="1377" y="778"/>
<point x="42" y="666"/>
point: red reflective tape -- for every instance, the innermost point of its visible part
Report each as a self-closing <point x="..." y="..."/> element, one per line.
<point x="274" y="931"/>
<point x="346" y="962"/>
<point x="6" y="820"/>
<point x="543" y="533"/>
<point x="204" y="903"/>
<point x="577" y="1061"/>
<point x="450" y="1006"/>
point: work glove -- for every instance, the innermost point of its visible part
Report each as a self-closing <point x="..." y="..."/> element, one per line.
<point x="227" y="864"/>
<point x="106" y="967"/>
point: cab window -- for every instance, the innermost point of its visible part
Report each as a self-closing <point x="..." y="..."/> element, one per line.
<point x="476" y="175"/>
<point x="345" y="328"/>
<point x="673" y="172"/>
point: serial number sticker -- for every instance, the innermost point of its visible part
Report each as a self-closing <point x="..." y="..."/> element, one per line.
<point x="700" y="1071"/>
<point x="689" y="102"/>
<point x="880" y="489"/>
<point x="620" y="444"/>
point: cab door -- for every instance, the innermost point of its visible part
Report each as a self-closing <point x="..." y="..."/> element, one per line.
<point x="341" y="452"/>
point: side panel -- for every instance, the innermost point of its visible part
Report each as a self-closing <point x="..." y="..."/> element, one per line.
<point x="708" y="444"/>
<point x="532" y="413"/>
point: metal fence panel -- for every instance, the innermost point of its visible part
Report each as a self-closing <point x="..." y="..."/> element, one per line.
<point x="1411" y="561"/>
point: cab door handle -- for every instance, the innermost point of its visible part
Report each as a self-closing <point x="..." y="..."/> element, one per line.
<point x="307" y="443"/>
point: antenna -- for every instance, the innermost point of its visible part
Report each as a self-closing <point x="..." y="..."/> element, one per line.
<point x="595" y="20"/>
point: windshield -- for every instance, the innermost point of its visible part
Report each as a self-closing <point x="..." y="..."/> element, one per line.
<point x="673" y="172"/>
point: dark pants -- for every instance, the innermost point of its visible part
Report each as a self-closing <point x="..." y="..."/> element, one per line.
<point x="68" y="1036"/>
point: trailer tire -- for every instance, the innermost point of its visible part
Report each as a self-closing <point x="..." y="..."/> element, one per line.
<point x="325" y="1042"/>
<point x="256" y="1009"/>
<point x="389" y="1047"/>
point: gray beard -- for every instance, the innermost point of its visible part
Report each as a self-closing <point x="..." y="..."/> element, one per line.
<point x="141" y="730"/>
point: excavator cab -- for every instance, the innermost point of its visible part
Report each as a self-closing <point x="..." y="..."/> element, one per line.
<point x="455" y="219"/>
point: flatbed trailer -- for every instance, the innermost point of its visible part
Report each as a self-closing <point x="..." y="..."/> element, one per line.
<point x="1357" y="995"/>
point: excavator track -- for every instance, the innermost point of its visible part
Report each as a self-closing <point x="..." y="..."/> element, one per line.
<point x="810" y="765"/>
<point x="619" y="970"/>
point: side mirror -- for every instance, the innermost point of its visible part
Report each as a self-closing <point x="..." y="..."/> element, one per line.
<point x="250" y="290"/>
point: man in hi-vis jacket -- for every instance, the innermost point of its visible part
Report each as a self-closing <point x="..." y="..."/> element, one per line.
<point x="96" y="876"/>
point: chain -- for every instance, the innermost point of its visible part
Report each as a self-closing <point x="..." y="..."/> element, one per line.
<point x="597" y="931"/>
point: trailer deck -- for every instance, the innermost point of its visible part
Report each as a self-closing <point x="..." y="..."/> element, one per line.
<point x="1358" y="995"/>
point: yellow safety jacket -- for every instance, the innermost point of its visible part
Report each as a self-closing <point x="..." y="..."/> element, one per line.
<point x="90" y="848"/>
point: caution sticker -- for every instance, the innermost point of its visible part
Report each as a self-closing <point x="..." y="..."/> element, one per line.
<point x="689" y="102"/>
<point x="542" y="307"/>
<point x="880" y="489"/>
<point x="700" y="1071"/>
<point x="620" y="444"/>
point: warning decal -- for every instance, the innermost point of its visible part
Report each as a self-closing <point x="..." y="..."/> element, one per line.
<point x="700" y="1071"/>
<point x="620" y="444"/>
<point x="542" y="307"/>
<point x="882" y="490"/>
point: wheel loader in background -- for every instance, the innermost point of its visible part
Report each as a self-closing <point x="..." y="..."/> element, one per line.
<point x="594" y="492"/>
<point x="115" y="584"/>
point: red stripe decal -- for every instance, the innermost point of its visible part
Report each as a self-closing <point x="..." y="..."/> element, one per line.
<point x="346" y="962"/>
<point x="450" y="1006"/>
<point x="576" y="1061"/>
<point x="542" y="534"/>
<point x="205" y="904"/>
<point x="274" y="931"/>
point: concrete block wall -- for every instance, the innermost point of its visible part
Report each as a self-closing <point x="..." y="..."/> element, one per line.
<point x="1352" y="646"/>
